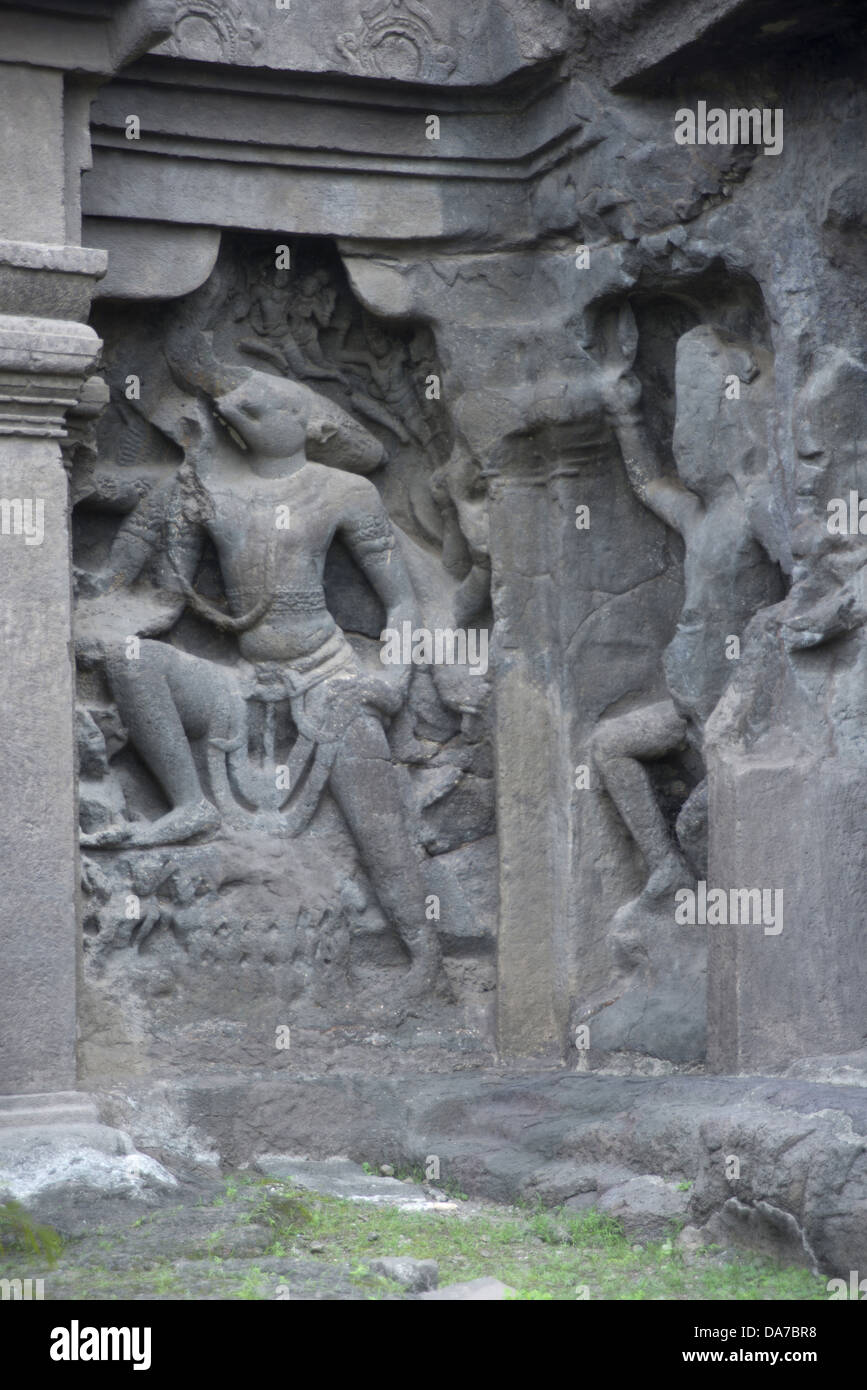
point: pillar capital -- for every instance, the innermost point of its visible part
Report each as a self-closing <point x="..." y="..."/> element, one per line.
<point x="43" y="364"/>
<point x="52" y="282"/>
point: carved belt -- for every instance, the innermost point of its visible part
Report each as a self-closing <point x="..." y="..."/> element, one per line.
<point x="285" y="600"/>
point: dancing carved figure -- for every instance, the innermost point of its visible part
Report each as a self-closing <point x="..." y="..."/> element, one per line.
<point x="271" y="515"/>
<point x="718" y="503"/>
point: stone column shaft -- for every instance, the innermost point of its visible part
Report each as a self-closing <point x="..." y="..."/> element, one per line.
<point x="526" y="742"/>
<point x="42" y="365"/>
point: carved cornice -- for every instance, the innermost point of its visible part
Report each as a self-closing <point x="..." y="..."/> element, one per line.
<point x="226" y="147"/>
<point x="83" y="37"/>
<point x="393" y="41"/>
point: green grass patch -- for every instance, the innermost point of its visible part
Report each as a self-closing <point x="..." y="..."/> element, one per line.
<point x="20" y="1233"/>
<point x="542" y="1254"/>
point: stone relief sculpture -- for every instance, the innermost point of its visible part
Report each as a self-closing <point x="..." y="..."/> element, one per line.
<point x="290" y="320"/>
<point x="332" y="333"/>
<point x="787" y="740"/>
<point x="825" y="608"/>
<point x="223" y="519"/>
<point x="273" y="578"/>
<point x="718" y="500"/>
<point x="307" y="329"/>
<point x="461" y="494"/>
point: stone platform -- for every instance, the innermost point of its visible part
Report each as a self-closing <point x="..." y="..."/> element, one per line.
<point x="799" y="1146"/>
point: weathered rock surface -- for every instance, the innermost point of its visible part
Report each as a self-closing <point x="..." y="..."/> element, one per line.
<point x="797" y="1148"/>
<point x="415" y="1275"/>
<point x="53" y="1148"/>
<point x="473" y="1291"/>
<point x="647" y="1207"/>
<point x="479" y="330"/>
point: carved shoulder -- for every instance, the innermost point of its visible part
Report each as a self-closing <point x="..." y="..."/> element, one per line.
<point x="359" y="497"/>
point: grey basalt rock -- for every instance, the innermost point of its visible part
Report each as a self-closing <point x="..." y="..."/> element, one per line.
<point x="53" y="1149"/>
<point x="484" y="1290"/>
<point x="436" y="317"/>
<point x="647" y="1208"/>
<point x="695" y="1143"/>
<point x="415" y="1275"/>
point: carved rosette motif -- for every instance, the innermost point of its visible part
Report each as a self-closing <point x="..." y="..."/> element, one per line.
<point x="396" y="38"/>
<point x="212" y="31"/>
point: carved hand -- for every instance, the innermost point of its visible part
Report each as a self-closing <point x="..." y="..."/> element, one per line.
<point x="621" y="394"/>
<point x="91" y="583"/>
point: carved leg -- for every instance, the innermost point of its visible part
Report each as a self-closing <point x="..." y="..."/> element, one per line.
<point x="691" y="828"/>
<point x="380" y="414"/>
<point x="618" y="747"/>
<point x="165" y="699"/>
<point x="367" y="788"/>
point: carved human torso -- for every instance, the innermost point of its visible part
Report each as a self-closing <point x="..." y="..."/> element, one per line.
<point x="727" y="577"/>
<point x="272" y="537"/>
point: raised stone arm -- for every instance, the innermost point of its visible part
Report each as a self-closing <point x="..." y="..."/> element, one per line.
<point x="139" y="536"/>
<point x="369" y="535"/>
<point x="673" y="503"/>
<point x="163" y="523"/>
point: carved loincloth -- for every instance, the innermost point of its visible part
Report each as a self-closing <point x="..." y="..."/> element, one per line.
<point x="294" y="680"/>
<point x="326" y="693"/>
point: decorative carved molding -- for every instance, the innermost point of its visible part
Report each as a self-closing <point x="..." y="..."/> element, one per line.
<point x="213" y="32"/>
<point x="43" y="363"/>
<point x="396" y="38"/>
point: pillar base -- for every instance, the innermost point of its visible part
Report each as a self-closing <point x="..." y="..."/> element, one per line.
<point x="54" y="1144"/>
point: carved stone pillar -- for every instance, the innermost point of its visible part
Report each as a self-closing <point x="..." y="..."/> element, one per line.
<point x="527" y="728"/>
<point x="48" y="74"/>
<point x="42" y="365"/>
